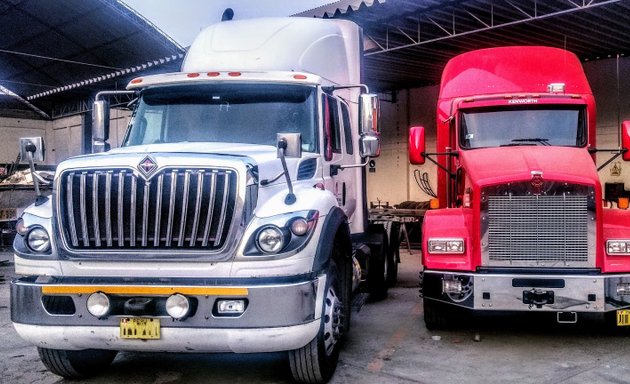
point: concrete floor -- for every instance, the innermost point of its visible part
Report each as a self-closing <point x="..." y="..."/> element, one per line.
<point x="388" y="344"/>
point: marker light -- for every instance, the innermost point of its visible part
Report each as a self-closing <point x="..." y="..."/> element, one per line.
<point x="234" y="74"/>
<point x="556" y="88"/>
<point x="213" y="74"/>
<point x="299" y="77"/>
<point x="177" y="306"/>
<point x="98" y="304"/>
<point x="618" y="247"/>
<point x="446" y="246"/>
<point x="299" y="226"/>
<point x="136" y="81"/>
<point x="192" y="75"/>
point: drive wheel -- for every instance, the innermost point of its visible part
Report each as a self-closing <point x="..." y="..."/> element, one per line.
<point x="76" y="364"/>
<point x="317" y="360"/>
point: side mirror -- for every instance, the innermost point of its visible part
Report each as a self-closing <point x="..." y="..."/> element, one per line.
<point x="369" y="145"/>
<point x="625" y="139"/>
<point x="100" y="126"/>
<point x="32" y="146"/>
<point x="291" y="143"/>
<point x="416" y="145"/>
<point x="369" y="113"/>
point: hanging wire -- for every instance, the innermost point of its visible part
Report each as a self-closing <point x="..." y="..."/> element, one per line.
<point x="422" y="179"/>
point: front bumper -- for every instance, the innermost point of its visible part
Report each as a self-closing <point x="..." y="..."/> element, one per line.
<point x="281" y="314"/>
<point x="595" y="293"/>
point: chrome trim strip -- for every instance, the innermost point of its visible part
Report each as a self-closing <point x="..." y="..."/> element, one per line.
<point x="132" y="217"/>
<point x="145" y="212"/>
<point x="213" y="189"/>
<point x="121" y="197"/>
<point x="108" y="208"/>
<point x="97" y="230"/>
<point x="82" y="209"/>
<point x="158" y="210"/>
<point x="171" y="208"/>
<point x="226" y="192"/>
<point x="193" y="235"/>
<point x="70" y="208"/>
<point x="182" y="224"/>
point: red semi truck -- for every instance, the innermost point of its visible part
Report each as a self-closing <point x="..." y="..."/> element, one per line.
<point x="521" y="224"/>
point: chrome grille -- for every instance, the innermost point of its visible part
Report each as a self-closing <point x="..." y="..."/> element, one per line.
<point x="176" y="208"/>
<point x="540" y="229"/>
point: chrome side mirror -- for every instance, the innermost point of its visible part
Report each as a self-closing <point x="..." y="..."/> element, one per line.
<point x="369" y="114"/>
<point x="100" y="126"/>
<point x="370" y="145"/>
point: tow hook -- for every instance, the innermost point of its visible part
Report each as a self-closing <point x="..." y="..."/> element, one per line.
<point x="538" y="297"/>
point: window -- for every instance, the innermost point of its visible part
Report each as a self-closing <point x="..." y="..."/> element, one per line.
<point x="548" y="125"/>
<point x="347" y="128"/>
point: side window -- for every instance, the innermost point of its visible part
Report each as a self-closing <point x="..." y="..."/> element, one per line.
<point x="332" y="131"/>
<point x="347" y="129"/>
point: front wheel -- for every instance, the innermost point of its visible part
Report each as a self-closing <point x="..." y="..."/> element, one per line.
<point x="316" y="362"/>
<point x="76" y="364"/>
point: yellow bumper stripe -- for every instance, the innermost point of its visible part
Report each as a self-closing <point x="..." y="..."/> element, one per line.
<point x="142" y="290"/>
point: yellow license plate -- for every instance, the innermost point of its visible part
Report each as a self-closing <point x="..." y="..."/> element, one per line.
<point x="8" y="214"/>
<point x="623" y="317"/>
<point x="139" y="328"/>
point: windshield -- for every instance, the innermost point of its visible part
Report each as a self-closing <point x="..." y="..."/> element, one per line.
<point x="230" y="113"/>
<point x="526" y="126"/>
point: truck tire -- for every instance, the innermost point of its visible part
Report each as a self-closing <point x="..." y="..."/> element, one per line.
<point x="316" y="361"/>
<point x="76" y="364"/>
<point x="436" y="315"/>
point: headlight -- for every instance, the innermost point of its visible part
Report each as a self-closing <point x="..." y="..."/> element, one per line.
<point x="177" y="306"/>
<point x="38" y="240"/>
<point x="446" y="246"/>
<point x="98" y="304"/>
<point x="281" y="234"/>
<point x="270" y="239"/>
<point x="618" y="247"/>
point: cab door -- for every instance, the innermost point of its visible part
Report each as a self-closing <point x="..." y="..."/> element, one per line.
<point x="338" y="151"/>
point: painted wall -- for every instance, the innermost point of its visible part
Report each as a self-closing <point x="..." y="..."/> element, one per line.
<point x="393" y="178"/>
<point x="11" y="130"/>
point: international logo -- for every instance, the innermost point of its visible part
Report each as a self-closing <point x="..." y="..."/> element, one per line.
<point x="147" y="166"/>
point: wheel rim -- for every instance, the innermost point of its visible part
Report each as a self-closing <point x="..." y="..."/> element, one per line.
<point x="332" y="321"/>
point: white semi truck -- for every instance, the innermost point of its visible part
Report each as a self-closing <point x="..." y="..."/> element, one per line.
<point x="232" y="219"/>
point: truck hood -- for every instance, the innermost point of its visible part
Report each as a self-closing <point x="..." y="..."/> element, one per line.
<point x="490" y="166"/>
<point x="263" y="156"/>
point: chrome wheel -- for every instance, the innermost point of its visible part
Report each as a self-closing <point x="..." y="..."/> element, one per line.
<point x="333" y="321"/>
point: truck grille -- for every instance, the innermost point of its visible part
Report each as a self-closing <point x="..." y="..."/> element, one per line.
<point x="176" y="208"/>
<point x="557" y="228"/>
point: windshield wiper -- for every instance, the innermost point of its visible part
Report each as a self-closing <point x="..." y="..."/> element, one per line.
<point x="532" y="140"/>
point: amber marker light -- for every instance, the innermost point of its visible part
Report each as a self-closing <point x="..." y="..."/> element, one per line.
<point x="192" y="75"/>
<point x="213" y="74"/>
<point x="299" y="77"/>
<point x="234" y="74"/>
<point x="136" y="81"/>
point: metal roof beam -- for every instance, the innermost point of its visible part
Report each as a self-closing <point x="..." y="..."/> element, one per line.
<point x="388" y="44"/>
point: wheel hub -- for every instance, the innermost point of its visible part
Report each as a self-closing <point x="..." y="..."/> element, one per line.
<point x="333" y="321"/>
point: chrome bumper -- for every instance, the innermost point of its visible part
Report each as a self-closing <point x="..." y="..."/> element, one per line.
<point x="279" y="316"/>
<point x="528" y="292"/>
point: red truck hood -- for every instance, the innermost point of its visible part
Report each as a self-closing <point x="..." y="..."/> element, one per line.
<point x="489" y="166"/>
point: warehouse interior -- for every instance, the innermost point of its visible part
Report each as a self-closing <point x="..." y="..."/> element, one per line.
<point x="57" y="55"/>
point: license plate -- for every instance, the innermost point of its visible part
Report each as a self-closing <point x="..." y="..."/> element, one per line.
<point x="139" y="328"/>
<point x="8" y="214"/>
<point x="623" y="317"/>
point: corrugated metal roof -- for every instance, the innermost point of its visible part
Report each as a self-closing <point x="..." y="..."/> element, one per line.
<point x="49" y="45"/>
<point x="409" y="41"/>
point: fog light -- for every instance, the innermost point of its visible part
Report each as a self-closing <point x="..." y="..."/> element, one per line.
<point x="98" y="304"/>
<point x="230" y="307"/>
<point x="177" y="306"/>
<point x="451" y="286"/>
<point x="270" y="239"/>
<point x="38" y="240"/>
<point x="446" y="246"/>
<point x="623" y="289"/>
